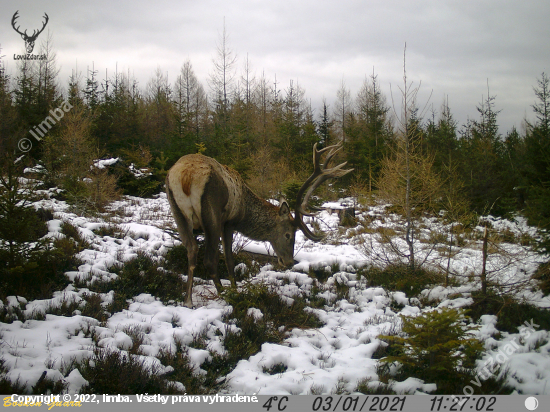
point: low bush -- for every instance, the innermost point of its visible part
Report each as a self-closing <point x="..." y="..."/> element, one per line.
<point x="43" y="272"/>
<point x="438" y="347"/>
<point x="401" y="278"/>
<point x="276" y="369"/>
<point x="131" y="182"/>
<point x="195" y="383"/>
<point x="273" y="307"/>
<point x="142" y="274"/>
<point x="510" y="313"/>
<point x="114" y="372"/>
<point x="365" y="387"/>
<point x="93" y="307"/>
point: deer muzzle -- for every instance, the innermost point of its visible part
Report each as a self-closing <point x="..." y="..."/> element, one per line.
<point x="286" y="263"/>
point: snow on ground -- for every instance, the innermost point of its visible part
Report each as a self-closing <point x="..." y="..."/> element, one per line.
<point x="339" y="352"/>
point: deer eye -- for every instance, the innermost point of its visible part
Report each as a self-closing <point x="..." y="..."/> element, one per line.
<point x="288" y="236"/>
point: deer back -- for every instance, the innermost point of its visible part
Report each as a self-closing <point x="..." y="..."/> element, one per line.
<point x="198" y="181"/>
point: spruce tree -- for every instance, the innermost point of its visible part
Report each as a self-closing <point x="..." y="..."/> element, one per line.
<point x="325" y="128"/>
<point x="482" y="165"/>
<point x="369" y="131"/>
<point x="536" y="168"/>
<point x="436" y="346"/>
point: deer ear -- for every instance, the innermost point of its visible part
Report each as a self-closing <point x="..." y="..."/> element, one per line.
<point x="284" y="208"/>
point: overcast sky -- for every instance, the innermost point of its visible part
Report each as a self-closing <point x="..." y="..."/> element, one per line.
<point x="453" y="47"/>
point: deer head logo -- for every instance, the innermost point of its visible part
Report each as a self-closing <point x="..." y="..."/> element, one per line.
<point x="29" y="40"/>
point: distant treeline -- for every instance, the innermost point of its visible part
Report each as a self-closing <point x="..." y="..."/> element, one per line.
<point x="266" y="132"/>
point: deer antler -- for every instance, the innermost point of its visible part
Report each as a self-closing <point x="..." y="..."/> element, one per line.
<point x="320" y="174"/>
<point x="35" y="33"/>
<point x="15" y="17"/>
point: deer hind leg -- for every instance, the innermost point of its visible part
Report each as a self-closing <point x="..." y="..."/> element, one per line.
<point x="185" y="230"/>
<point x="212" y="253"/>
<point x="190" y="243"/>
<point x="227" y="242"/>
<point x="192" y="254"/>
<point x="213" y="201"/>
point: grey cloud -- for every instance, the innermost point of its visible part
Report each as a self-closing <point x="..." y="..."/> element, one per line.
<point x="453" y="47"/>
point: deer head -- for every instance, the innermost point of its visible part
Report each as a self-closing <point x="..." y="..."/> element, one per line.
<point x="29" y="40"/>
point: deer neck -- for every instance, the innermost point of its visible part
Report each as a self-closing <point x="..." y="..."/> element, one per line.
<point x="259" y="217"/>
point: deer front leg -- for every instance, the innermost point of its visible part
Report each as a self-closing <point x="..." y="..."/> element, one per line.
<point x="227" y="242"/>
<point x="211" y="258"/>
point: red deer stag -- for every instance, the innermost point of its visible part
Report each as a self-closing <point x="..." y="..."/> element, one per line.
<point x="204" y="194"/>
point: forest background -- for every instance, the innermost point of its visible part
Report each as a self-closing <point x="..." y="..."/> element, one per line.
<point x="266" y="131"/>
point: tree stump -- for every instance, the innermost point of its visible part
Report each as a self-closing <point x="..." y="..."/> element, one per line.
<point x="347" y="216"/>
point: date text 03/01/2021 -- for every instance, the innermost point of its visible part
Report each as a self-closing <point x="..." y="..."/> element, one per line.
<point x="391" y="403"/>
